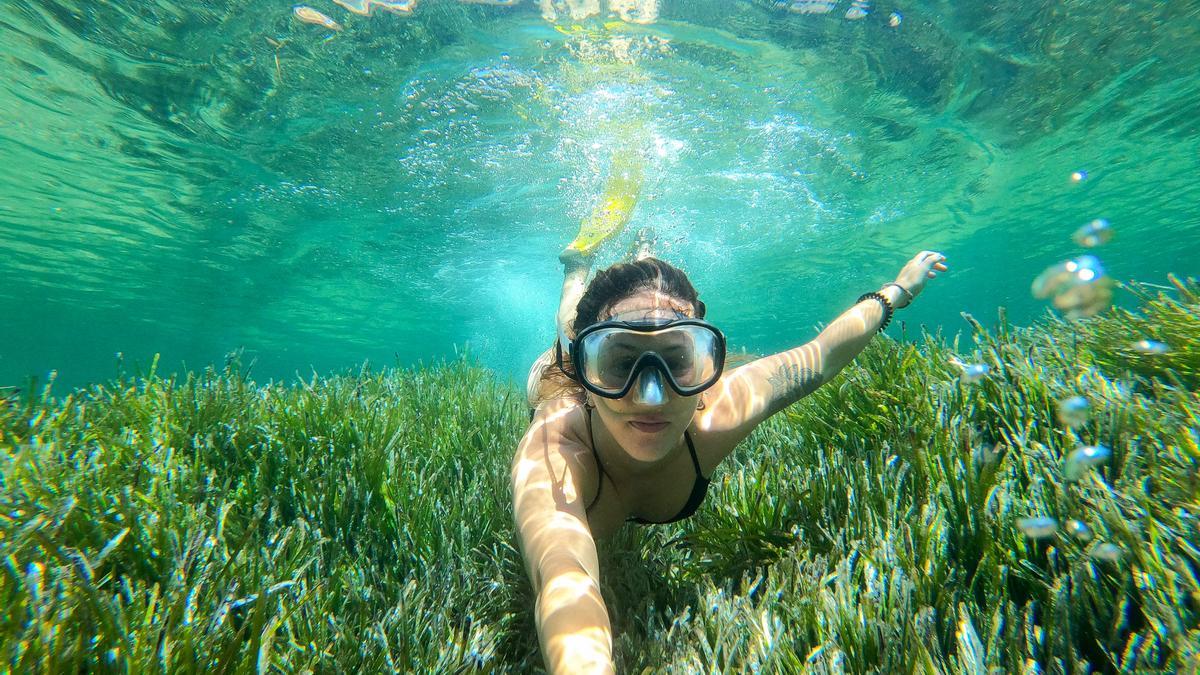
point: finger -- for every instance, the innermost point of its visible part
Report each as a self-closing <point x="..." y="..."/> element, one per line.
<point x="932" y="275"/>
<point x="940" y="266"/>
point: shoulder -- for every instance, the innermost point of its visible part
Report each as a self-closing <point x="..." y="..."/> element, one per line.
<point x="556" y="442"/>
<point x="562" y="417"/>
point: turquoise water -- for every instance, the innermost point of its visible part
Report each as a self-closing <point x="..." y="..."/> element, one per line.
<point x="194" y="178"/>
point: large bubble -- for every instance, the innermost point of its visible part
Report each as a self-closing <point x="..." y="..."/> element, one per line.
<point x="1078" y="288"/>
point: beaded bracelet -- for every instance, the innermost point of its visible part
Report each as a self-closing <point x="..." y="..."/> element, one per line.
<point x="903" y="290"/>
<point x="887" y="307"/>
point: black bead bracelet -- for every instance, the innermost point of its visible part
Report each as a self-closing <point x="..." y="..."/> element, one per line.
<point x="887" y="307"/>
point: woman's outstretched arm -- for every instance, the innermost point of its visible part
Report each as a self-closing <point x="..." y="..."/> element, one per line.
<point x="560" y="553"/>
<point x="754" y="392"/>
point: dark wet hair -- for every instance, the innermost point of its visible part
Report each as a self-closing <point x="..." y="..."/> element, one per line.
<point x="609" y="287"/>
<point x="622" y="280"/>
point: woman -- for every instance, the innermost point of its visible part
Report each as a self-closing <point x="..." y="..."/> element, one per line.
<point x="641" y="414"/>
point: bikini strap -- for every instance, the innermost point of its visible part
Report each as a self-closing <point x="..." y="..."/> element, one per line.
<point x="599" y="466"/>
<point x="692" y="450"/>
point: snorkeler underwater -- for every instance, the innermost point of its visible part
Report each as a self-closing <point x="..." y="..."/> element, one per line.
<point x="600" y="336"/>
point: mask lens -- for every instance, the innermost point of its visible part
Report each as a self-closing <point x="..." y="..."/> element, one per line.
<point x="610" y="355"/>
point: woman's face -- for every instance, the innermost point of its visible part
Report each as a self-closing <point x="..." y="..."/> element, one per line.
<point x="647" y="427"/>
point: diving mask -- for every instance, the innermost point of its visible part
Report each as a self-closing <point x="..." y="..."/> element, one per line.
<point x="608" y="356"/>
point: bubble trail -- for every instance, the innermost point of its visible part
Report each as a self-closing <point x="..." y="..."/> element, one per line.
<point x="1083" y="458"/>
<point x="1074" y="411"/>
<point x="1037" y="528"/>
<point x="1093" y="234"/>
<point x="895" y="19"/>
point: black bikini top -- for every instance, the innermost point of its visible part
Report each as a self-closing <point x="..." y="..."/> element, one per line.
<point x="699" y="488"/>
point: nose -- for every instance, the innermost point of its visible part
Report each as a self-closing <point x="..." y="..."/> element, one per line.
<point x="649" y="389"/>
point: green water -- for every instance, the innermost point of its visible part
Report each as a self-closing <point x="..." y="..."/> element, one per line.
<point x="193" y="178"/>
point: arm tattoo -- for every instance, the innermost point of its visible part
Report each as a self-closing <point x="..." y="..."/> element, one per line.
<point x="790" y="383"/>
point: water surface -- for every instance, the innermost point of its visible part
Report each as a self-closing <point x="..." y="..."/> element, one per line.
<point x="193" y="178"/>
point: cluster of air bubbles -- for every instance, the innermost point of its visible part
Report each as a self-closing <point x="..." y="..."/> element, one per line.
<point x="1078" y="287"/>
<point x="1043" y="527"/>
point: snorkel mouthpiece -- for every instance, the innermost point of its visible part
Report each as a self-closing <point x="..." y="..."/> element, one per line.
<point x="650" y="388"/>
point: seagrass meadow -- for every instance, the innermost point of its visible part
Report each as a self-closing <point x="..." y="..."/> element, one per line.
<point x="362" y="522"/>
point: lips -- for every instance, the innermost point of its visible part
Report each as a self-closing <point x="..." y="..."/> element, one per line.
<point x="650" y="425"/>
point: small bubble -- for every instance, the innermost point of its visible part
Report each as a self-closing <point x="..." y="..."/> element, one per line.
<point x="895" y="19"/>
<point x="971" y="372"/>
<point x="1074" y="411"/>
<point x="503" y="56"/>
<point x="1079" y="530"/>
<point x="1037" y="528"/>
<point x="1079" y="176"/>
<point x="1083" y="458"/>
<point x="1151" y="347"/>
<point x="1093" y="234"/>
<point x="1107" y="552"/>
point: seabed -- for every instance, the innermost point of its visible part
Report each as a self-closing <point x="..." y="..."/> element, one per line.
<point x="901" y="518"/>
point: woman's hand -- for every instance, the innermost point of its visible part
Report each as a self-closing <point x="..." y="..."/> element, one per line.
<point x="924" y="266"/>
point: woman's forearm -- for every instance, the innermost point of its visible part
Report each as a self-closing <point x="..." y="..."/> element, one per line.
<point x="573" y="626"/>
<point x="849" y="334"/>
<point x="782" y="379"/>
